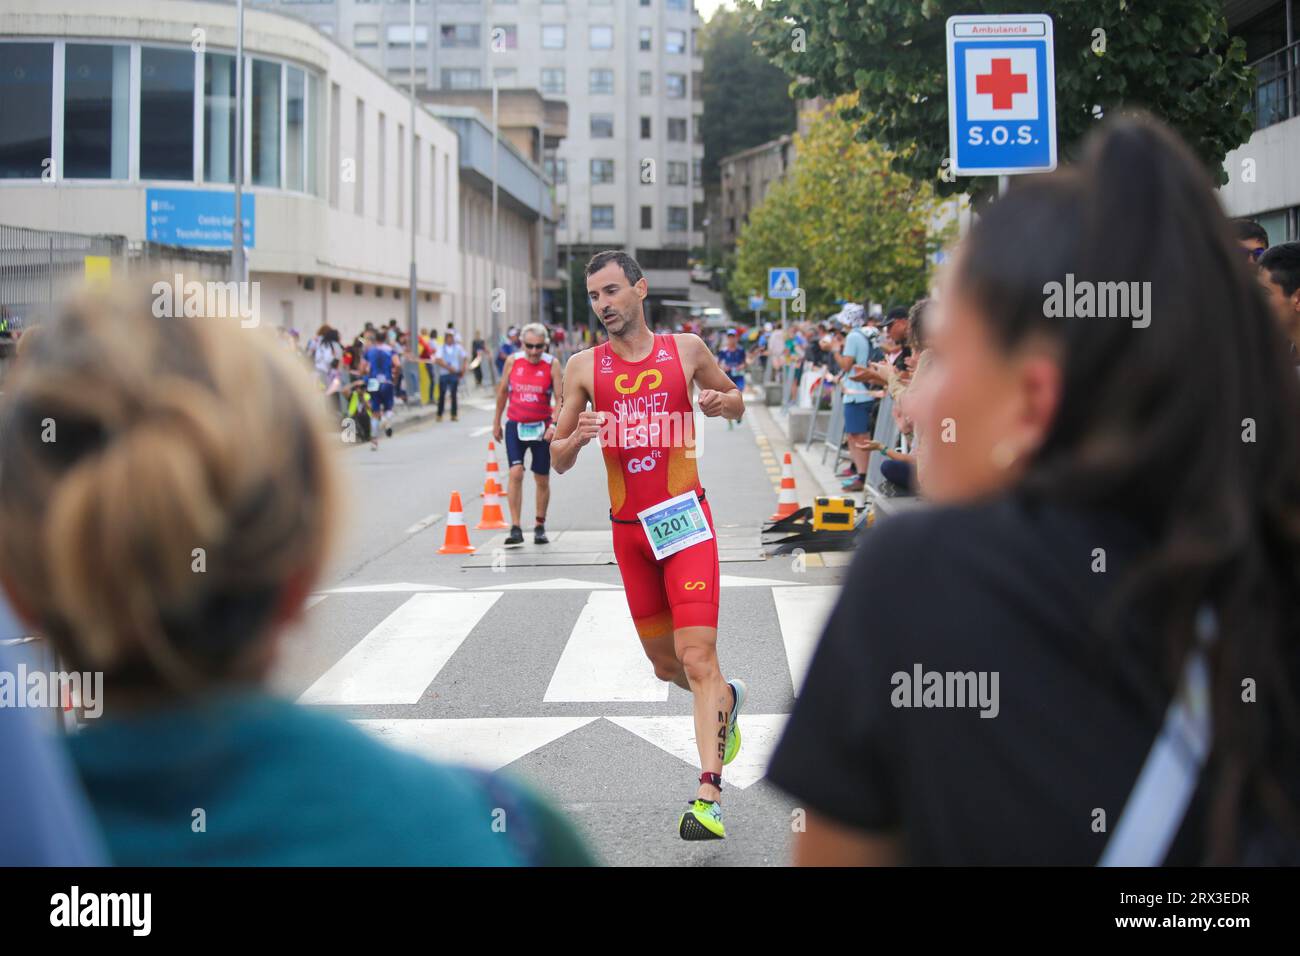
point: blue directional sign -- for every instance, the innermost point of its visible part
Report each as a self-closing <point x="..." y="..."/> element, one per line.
<point x="755" y="303"/>
<point x="1001" y="94"/>
<point x="782" y="283"/>
<point x="203" y="218"/>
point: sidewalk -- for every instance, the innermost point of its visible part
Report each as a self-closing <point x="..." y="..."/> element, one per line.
<point x="811" y="472"/>
<point x="408" y="416"/>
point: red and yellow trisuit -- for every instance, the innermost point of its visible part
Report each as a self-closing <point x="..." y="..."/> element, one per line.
<point x="648" y="443"/>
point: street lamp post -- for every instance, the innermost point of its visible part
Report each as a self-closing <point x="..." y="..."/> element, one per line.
<point x="413" y="330"/>
<point x="237" y="264"/>
<point x="495" y="147"/>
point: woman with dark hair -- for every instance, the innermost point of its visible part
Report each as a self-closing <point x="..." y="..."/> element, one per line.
<point x="1112" y="577"/>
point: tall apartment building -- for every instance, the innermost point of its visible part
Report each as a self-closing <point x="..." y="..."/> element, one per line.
<point x="628" y="173"/>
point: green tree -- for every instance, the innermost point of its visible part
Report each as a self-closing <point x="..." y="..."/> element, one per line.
<point x="854" y="227"/>
<point x="746" y="99"/>
<point x="1174" y="59"/>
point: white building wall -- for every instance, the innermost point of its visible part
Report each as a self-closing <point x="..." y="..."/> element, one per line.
<point x="1264" y="177"/>
<point x="298" y="235"/>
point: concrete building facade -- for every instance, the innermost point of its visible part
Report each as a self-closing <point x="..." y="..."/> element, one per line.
<point x="99" y="111"/>
<point x="1264" y="173"/>
<point x="628" y="173"/>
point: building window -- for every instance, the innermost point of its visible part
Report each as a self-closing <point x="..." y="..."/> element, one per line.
<point x="461" y="79"/>
<point x="697" y="171"/>
<point x="365" y="35"/>
<point x="645" y="127"/>
<point x="602" y="217"/>
<point x="676" y="173"/>
<point x="96" y="94"/>
<point x="556" y="169"/>
<point x="504" y="36"/>
<point x="294" y="130"/>
<point x="401" y="76"/>
<point x="219" y="118"/>
<point x="552" y="80"/>
<point x="601" y="37"/>
<point x="678" y="218"/>
<point x="695" y="127"/>
<point x="676" y="130"/>
<point x="674" y="41"/>
<point x="601" y="81"/>
<point x="602" y="125"/>
<point x="602" y="171"/>
<point x="675" y="4"/>
<point x="697" y="86"/>
<point x="552" y="36"/>
<point x="459" y="35"/>
<point x="675" y="85"/>
<point x="645" y="38"/>
<point x="647" y="217"/>
<point x="265" y="132"/>
<point x="166" y="114"/>
<point x="381" y="168"/>
<point x="359" y="155"/>
<point x="26" y="93"/>
<point x="399" y="34"/>
<point x="561" y="216"/>
<point x="646" y="83"/>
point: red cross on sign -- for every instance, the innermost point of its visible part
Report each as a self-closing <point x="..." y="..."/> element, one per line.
<point x="1002" y="83"/>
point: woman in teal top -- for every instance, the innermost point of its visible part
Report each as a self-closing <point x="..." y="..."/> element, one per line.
<point x="168" y="538"/>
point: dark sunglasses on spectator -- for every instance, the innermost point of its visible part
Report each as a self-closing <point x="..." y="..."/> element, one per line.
<point x="535" y="348"/>
<point x="1255" y="254"/>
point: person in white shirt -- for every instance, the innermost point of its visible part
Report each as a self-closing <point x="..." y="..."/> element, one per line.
<point x="451" y="361"/>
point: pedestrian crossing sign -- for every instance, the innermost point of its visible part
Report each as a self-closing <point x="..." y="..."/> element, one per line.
<point x="782" y="282"/>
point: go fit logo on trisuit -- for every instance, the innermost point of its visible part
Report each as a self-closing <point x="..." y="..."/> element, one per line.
<point x="638" y="465"/>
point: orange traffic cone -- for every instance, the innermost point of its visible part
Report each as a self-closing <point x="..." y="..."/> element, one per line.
<point x="787" y="504"/>
<point x="490" y="483"/>
<point x="493" y="519"/>
<point x="456" y="540"/>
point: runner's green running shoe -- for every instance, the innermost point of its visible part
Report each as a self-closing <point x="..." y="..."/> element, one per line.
<point x="702" y="821"/>
<point x="733" y="727"/>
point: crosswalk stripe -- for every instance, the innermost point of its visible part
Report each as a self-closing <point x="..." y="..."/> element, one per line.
<point x="546" y="584"/>
<point x="313" y="600"/>
<point x="759" y="734"/>
<point x="396" y="661"/>
<point x="802" y="614"/>
<point x="486" y="742"/>
<point x="480" y="432"/>
<point x="603" y="660"/>
<point x="423" y="523"/>
<point x="400" y="587"/>
<point x="551" y="584"/>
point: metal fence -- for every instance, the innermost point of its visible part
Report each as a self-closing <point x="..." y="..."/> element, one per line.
<point x="39" y="268"/>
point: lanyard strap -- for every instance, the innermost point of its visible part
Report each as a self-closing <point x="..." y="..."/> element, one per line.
<point x="1158" y="803"/>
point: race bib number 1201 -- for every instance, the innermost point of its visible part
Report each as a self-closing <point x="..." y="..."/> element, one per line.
<point x="675" y="524"/>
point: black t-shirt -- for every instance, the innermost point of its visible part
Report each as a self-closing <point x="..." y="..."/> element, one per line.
<point x="1005" y="587"/>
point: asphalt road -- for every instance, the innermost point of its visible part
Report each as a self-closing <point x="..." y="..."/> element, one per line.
<point x="525" y="658"/>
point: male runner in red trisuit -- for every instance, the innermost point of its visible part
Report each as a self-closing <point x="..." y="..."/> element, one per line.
<point x="639" y="385"/>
